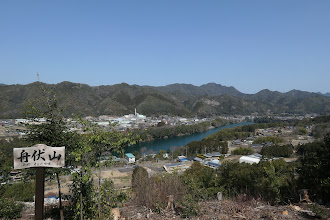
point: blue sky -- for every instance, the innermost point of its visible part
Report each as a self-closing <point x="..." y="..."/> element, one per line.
<point x="251" y="45"/>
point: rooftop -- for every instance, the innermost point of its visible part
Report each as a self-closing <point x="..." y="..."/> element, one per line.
<point x="129" y="155"/>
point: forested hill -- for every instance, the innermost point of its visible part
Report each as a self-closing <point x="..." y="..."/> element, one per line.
<point x="175" y="99"/>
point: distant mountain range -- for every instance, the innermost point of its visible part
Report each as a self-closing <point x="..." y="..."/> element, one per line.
<point x="175" y="99"/>
<point x="325" y="94"/>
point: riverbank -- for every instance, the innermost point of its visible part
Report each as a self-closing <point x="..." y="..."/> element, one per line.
<point x="167" y="131"/>
<point x="173" y="142"/>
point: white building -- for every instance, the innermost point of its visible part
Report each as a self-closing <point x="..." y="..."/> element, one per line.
<point x="130" y="158"/>
<point x="248" y="159"/>
<point x="21" y="121"/>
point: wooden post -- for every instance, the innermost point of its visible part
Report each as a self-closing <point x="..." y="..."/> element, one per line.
<point x="39" y="156"/>
<point x="60" y="196"/>
<point x="39" y="193"/>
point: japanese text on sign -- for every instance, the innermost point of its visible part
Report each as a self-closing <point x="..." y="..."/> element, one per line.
<point x="39" y="155"/>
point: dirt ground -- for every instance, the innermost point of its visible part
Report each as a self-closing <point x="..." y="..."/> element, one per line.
<point x="120" y="179"/>
<point x="227" y="210"/>
<point x="121" y="176"/>
<point x="218" y="210"/>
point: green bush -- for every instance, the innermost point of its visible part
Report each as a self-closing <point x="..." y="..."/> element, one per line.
<point x="22" y="191"/>
<point x="277" y="151"/>
<point x="301" y="130"/>
<point x="313" y="169"/>
<point x="10" y="209"/>
<point x="242" y="151"/>
<point x="271" y="180"/>
<point x="318" y="210"/>
<point x="188" y="207"/>
<point x="199" y="181"/>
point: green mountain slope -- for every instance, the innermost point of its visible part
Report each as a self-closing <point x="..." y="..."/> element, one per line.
<point x="176" y="99"/>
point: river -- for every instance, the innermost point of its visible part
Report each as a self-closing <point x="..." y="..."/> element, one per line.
<point x="177" y="141"/>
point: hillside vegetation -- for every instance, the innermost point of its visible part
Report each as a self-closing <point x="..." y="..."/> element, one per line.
<point x="176" y="99"/>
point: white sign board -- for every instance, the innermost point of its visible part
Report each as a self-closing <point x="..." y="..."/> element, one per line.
<point x="39" y="155"/>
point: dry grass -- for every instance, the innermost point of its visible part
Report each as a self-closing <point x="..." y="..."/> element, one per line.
<point x="227" y="210"/>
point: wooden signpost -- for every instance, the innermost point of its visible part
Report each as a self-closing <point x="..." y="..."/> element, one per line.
<point x="39" y="156"/>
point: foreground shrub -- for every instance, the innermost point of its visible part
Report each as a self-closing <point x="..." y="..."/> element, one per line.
<point x="188" y="206"/>
<point x="271" y="180"/>
<point x="109" y="198"/>
<point x="319" y="211"/>
<point x="22" y="191"/>
<point x="199" y="181"/>
<point x="154" y="192"/>
<point x="314" y="169"/>
<point x="10" y="209"/>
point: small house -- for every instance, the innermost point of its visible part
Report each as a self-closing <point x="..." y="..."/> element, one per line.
<point x="130" y="158"/>
<point x="213" y="165"/>
<point x="176" y="167"/>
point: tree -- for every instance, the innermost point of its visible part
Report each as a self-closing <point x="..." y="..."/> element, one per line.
<point x="81" y="149"/>
<point x="53" y="132"/>
<point x="110" y="198"/>
<point x="6" y="156"/>
<point x="89" y="148"/>
<point x="277" y="151"/>
<point x="136" y="154"/>
<point x="138" y="177"/>
<point x="314" y="169"/>
<point x="242" y="151"/>
<point x="300" y="130"/>
<point x="224" y="147"/>
<point x="143" y="151"/>
<point x="199" y="181"/>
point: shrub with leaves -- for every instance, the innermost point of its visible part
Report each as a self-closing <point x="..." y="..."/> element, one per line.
<point x="10" y="209"/>
<point x="314" y="169"/>
<point x="319" y="211"/>
<point x="242" y="151"/>
<point x="277" y="151"/>
<point x="110" y="198"/>
<point x="22" y="191"/>
<point x="154" y="192"/>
